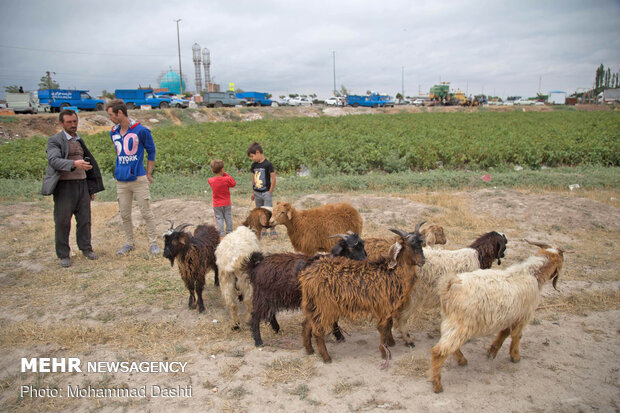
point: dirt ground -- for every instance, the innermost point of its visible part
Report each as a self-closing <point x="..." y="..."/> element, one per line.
<point x="46" y="124"/>
<point x="135" y="309"/>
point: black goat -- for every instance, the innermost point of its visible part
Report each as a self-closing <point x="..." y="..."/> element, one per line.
<point x="276" y="287"/>
<point x="195" y="256"/>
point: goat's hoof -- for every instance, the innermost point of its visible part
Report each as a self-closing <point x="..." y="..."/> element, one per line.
<point x="437" y="387"/>
<point x="462" y="362"/>
<point x="340" y="339"/>
<point x="410" y="344"/>
<point x="235" y="327"/>
<point x="309" y="351"/>
<point x="201" y="309"/>
<point x="515" y="359"/>
<point x="391" y="343"/>
<point x="327" y="361"/>
<point x="258" y="344"/>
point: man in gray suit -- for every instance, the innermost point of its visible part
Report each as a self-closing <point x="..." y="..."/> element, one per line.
<point x="73" y="177"/>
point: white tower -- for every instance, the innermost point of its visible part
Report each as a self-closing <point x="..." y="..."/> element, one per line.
<point x="197" y="61"/>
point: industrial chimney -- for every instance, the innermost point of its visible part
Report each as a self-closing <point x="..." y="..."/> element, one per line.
<point x="197" y="61"/>
<point x="206" y="62"/>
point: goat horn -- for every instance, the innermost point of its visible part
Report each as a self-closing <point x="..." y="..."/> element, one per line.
<point x="417" y="227"/>
<point x="171" y="223"/>
<point x="338" y="236"/>
<point x="538" y="244"/>
<point x="399" y="232"/>
<point x="182" y="227"/>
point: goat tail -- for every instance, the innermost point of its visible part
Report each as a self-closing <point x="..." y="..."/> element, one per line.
<point x="251" y="262"/>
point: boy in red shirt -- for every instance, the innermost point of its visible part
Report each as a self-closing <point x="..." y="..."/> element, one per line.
<point x="220" y="185"/>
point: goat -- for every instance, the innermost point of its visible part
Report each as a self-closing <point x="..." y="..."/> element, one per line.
<point x="276" y="286"/>
<point x="482" y="302"/>
<point x="336" y="287"/>
<point x="433" y="234"/>
<point x="442" y="263"/>
<point x="195" y="256"/>
<point x="231" y="254"/>
<point x="309" y="230"/>
<point x="258" y="219"/>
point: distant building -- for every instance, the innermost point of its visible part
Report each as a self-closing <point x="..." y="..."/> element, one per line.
<point x="557" y="97"/>
<point x="172" y="81"/>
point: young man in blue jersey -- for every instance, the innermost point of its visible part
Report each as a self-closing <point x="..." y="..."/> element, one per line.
<point x="131" y="140"/>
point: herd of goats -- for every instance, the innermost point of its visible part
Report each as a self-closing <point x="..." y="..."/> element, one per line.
<point x="390" y="279"/>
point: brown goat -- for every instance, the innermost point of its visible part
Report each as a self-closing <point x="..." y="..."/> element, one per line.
<point x="340" y="287"/>
<point x="257" y="220"/>
<point x="310" y="230"/>
<point x="433" y="234"/>
<point x="378" y="247"/>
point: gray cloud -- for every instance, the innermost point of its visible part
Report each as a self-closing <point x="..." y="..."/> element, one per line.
<point x="286" y="46"/>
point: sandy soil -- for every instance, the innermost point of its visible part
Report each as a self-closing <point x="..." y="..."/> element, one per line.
<point x="570" y="352"/>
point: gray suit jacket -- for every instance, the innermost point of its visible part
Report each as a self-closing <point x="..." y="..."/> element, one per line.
<point x="57" y="152"/>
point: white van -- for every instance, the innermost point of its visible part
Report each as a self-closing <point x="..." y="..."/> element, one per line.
<point x="27" y="102"/>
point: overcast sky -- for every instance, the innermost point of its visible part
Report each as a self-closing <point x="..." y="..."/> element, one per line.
<point x="286" y="46"/>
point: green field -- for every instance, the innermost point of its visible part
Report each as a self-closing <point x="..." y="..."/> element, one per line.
<point x="366" y="143"/>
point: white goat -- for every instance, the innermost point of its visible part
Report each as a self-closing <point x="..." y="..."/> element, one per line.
<point x="442" y="263"/>
<point x="482" y="302"/>
<point x="234" y="249"/>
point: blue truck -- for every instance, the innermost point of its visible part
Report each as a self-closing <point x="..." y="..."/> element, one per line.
<point x="372" y="101"/>
<point x="255" y="98"/>
<point x="58" y="99"/>
<point x="134" y="98"/>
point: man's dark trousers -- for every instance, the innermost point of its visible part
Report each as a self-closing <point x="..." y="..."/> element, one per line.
<point x="72" y="197"/>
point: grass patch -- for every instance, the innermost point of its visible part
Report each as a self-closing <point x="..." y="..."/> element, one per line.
<point x="412" y="366"/>
<point x="195" y="186"/>
<point x="286" y="370"/>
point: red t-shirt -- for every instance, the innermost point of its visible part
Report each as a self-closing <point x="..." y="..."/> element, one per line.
<point x="219" y="186"/>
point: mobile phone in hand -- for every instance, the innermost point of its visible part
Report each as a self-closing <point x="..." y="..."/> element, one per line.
<point x="87" y="159"/>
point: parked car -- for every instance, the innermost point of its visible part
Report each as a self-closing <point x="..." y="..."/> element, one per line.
<point x="419" y="102"/>
<point x="27" y="102"/>
<point x="334" y="101"/>
<point x="524" y="101"/>
<point x="300" y="101"/>
<point x="175" y="102"/>
<point x="280" y="101"/>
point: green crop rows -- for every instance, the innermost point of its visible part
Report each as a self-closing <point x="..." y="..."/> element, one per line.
<point x="358" y="144"/>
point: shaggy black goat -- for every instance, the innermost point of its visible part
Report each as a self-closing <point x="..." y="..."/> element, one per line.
<point x="195" y="256"/>
<point x="275" y="283"/>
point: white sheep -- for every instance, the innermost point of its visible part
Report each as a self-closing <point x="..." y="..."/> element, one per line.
<point x="483" y="302"/>
<point x="231" y="254"/>
<point x="442" y="263"/>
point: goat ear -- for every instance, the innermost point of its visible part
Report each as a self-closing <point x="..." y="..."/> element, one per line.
<point x="263" y="219"/>
<point x="429" y="238"/>
<point x="337" y="250"/>
<point x="289" y="212"/>
<point x="393" y="254"/>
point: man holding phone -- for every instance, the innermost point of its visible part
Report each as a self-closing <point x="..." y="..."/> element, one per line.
<point x="73" y="178"/>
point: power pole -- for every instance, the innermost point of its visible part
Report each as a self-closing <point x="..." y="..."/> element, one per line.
<point x="179" y="45"/>
<point x="539" y="82"/>
<point x="403" y="83"/>
<point x="334" y="60"/>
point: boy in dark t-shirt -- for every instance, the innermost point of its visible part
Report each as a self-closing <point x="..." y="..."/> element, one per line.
<point x="263" y="179"/>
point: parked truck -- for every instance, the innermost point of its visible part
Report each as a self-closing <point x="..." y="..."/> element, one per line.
<point x="58" y="99"/>
<point x="219" y="99"/>
<point x="255" y="98"/>
<point x="27" y="102"/>
<point x="134" y="98"/>
<point x="373" y="101"/>
<point x="441" y="95"/>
